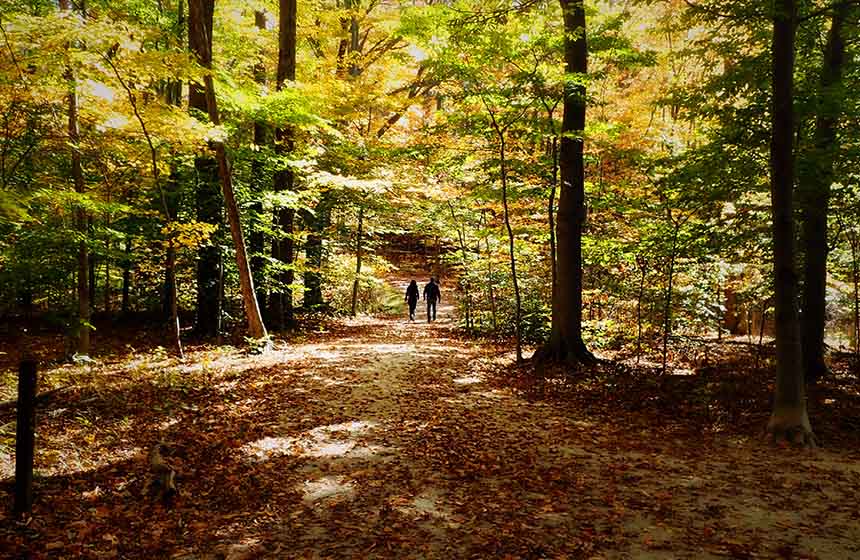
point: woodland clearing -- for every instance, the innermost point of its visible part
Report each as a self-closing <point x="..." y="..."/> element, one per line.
<point x="375" y="437"/>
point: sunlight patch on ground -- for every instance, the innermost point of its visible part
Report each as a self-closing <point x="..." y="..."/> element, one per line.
<point x="469" y="380"/>
<point x="429" y="506"/>
<point x="326" y="487"/>
<point x="332" y="440"/>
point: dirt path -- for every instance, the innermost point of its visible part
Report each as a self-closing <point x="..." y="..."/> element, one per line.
<point x="384" y="438"/>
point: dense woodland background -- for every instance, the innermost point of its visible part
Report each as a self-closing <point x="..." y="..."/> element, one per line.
<point x="347" y="134"/>
<point x="645" y="216"/>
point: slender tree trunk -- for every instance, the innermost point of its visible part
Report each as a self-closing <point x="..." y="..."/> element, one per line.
<point x="83" y="290"/>
<point x="816" y="176"/>
<point x="789" y="420"/>
<point x="551" y="214"/>
<point x="166" y="207"/>
<point x="283" y="248"/>
<point x="256" y="238"/>
<point x="855" y="278"/>
<point x="256" y="328"/>
<point x="667" y="311"/>
<point x="503" y="173"/>
<point x="316" y="223"/>
<point x="91" y="263"/>
<point x="358" y="254"/>
<point x="566" y="342"/>
<point x="490" y="283"/>
<point x="126" y="277"/>
<point x="490" y="276"/>
<point x="107" y="294"/>
<point x="643" y="268"/>
<point x="461" y="235"/>
<point x="208" y="198"/>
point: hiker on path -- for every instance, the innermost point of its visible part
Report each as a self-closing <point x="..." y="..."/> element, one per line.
<point x="432" y="295"/>
<point x="412" y="298"/>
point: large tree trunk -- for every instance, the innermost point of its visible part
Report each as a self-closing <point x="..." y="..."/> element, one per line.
<point x="283" y="249"/>
<point x="566" y="342"/>
<point x="256" y="237"/>
<point x="789" y="420"/>
<point x="208" y="197"/>
<point x="81" y="222"/>
<point x="256" y="328"/>
<point x="816" y="176"/>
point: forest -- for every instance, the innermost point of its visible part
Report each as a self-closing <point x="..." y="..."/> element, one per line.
<point x="642" y="216"/>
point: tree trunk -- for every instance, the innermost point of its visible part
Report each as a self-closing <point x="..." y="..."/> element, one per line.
<point x="126" y="277"/>
<point x="667" y="311"/>
<point x="256" y="328"/>
<point x="855" y="279"/>
<point x="316" y="222"/>
<point x="170" y="268"/>
<point x="208" y="197"/>
<point x="566" y="342"/>
<point x="91" y="262"/>
<point x="467" y="287"/>
<point x="551" y="213"/>
<point x="256" y="238"/>
<point x="358" y="252"/>
<point x="816" y="176"/>
<point x="283" y="249"/>
<point x="789" y="420"/>
<point x="107" y="293"/>
<point x="503" y="173"/>
<point x="83" y="283"/>
<point x="643" y="268"/>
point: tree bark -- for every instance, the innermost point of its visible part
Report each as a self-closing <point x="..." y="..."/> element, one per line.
<point x="358" y="255"/>
<point x="283" y="249"/>
<point x="667" y="310"/>
<point x="208" y="198"/>
<point x="816" y="176"/>
<point x="789" y="420"/>
<point x="256" y="328"/>
<point x="551" y="214"/>
<point x="566" y="342"/>
<point x="256" y="238"/>
<point x="126" y="277"/>
<point x="855" y="280"/>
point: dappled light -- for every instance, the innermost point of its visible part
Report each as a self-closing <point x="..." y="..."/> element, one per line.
<point x="363" y="279"/>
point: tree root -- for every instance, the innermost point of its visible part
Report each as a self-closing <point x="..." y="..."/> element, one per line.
<point x="792" y="431"/>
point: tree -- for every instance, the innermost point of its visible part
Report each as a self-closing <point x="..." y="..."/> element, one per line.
<point x="261" y="133"/>
<point x="816" y="174"/>
<point x="566" y="343"/>
<point x="283" y="248"/>
<point x="256" y="328"/>
<point x="208" y="197"/>
<point x="789" y="420"/>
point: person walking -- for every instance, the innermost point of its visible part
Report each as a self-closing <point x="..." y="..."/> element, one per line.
<point x="412" y="298"/>
<point x="432" y="295"/>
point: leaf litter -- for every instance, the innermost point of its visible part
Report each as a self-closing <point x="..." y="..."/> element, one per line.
<point x="380" y="438"/>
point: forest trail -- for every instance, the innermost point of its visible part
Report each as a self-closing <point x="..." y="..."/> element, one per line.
<point x="384" y="438"/>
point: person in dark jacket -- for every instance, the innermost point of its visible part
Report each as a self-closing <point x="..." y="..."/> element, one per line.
<point x="432" y="295"/>
<point x="412" y="298"/>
